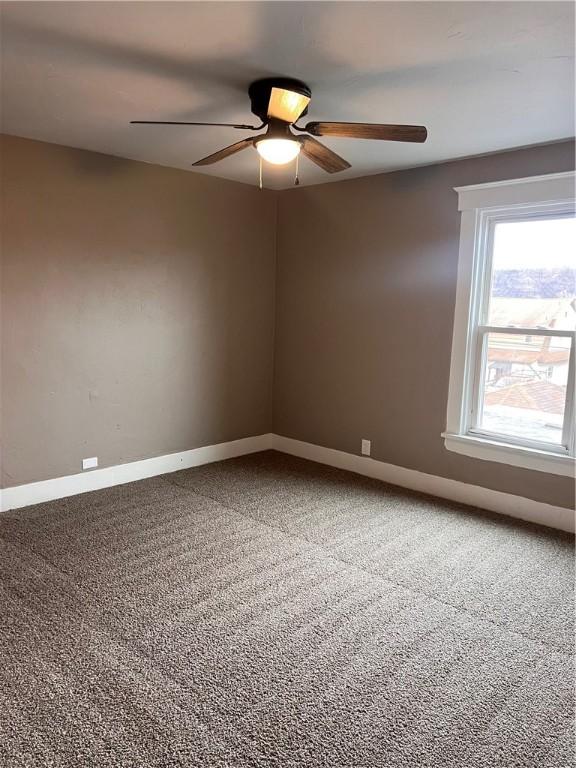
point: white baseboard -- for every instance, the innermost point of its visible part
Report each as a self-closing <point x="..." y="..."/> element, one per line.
<point x="60" y="487"/>
<point x="474" y="495"/>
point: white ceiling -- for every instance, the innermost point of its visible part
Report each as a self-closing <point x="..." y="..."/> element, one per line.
<point x="481" y="76"/>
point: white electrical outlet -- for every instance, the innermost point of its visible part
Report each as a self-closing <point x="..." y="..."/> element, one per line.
<point x="366" y="447"/>
<point x="90" y="463"/>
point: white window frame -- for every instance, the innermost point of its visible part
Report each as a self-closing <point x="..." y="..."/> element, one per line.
<point x="482" y="207"/>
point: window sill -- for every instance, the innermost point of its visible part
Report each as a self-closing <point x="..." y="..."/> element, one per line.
<point x="516" y="456"/>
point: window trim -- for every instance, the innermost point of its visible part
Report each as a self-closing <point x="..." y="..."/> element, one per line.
<point x="482" y="206"/>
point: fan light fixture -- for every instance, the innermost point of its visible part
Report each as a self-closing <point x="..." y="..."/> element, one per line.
<point x="278" y="151"/>
<point x="280" y="102"/>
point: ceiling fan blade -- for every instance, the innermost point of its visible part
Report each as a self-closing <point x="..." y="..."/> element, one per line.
<point x="226" y="152"/>
<point x="416" y="133"/>
<point x="286" y="105"/>
<point x="322" y="156"/>
<point x="177" y="122"/>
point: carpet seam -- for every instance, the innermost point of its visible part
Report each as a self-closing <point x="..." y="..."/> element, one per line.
<point x="137" y="651"/>
<point x="422" y="593"/>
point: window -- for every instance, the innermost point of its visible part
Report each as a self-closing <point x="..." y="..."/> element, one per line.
<point x="512" y="374"/>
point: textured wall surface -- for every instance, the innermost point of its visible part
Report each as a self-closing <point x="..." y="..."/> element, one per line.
<point x="139" y="317"/>
<point x="137" y="310"/>
<point x="366" y="288"/>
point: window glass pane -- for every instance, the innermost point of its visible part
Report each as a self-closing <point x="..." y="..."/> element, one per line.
<point x="525" y="386"/>
<point x="534" y="274"/>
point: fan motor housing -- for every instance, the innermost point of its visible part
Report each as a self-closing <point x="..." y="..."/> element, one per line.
<point x="260" y="90"/>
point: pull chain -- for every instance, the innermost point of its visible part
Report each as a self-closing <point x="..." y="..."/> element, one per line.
<point x="260" y="172"/>
<point x="296" y="177"/>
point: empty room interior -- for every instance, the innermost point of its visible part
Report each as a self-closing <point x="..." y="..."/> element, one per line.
<point x="287" y="384"/>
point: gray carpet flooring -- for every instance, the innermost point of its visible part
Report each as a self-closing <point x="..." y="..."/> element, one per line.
<point x="268" y="611"/>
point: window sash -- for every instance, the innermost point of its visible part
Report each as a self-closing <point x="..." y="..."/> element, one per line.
<point x="526" y="330"/>
<point x="490" y="220"/>
<point x="478" y="382"/>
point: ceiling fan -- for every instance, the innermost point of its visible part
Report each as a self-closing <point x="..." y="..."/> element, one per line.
<point x="279" y="102"/>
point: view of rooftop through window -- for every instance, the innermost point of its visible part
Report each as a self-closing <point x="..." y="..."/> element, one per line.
<point x="533" y="286"/>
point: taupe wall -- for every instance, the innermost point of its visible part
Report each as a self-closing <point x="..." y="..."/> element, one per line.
<point x="366" y="287"/>
<point x="137" y="310"/>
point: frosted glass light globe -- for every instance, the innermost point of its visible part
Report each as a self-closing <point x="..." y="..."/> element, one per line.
<point x="278" y="151"/>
